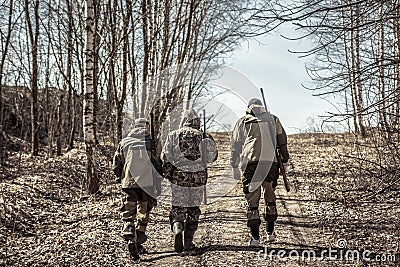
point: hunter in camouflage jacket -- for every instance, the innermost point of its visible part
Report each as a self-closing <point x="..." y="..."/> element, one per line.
<point x="185" y="168"/>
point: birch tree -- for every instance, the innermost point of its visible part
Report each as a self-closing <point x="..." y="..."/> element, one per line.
<point x="395" y="117"/>
<point x="92" y="182"/>
<point x="356" y="55"/>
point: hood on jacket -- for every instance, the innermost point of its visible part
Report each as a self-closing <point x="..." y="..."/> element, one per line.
<point x="258" y="111"/>
<point x="140" y="129"/>
<point x="254" y="101"/>
<point x="190" y="119"/>
<point x="255" y="110"/>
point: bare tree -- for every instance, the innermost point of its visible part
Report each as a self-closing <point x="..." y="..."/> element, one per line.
<point x="381" y="68"/>
<point x="6" y="38"/>
<point x="127" y="44"/>
<point x="5" y="45"/>
<point x="356" y="67"/>
<point x="33" y="31"/>
<point x="396" y="70"/>
<point x="68" y="76"/>
<point x="92" y="182"/>
<point x="356" y="55"/>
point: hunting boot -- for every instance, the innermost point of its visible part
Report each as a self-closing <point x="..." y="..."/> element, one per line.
<point x="129" y="231"/>
<point x="254" y="236"/>
<point x="177" y="229"/>
<point x="190" y="229"/>
<point x="133" y="250"/>
<point x="271" y="236"/>
<point x="141" y="237"/>
<point x="270" y="216"/>
<point x="129" y="234"/>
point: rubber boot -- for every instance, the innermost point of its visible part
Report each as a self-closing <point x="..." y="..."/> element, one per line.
<point x="255" y="231"/>
<point x="129" y="231"/>
<point x="177" y="229"/>
<point x="141" y="237"/>
<point x="188" y="234"/>
<point x="133" y="250"/>
<point x="188" y="240"/>
<point x="141" y="249"/>
<point x="271" y="236"/>
<point x="270" y="227"/>
<point x="254" y="236"/>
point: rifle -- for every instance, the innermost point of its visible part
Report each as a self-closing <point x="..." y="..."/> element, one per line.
<point x="157" y="180"/>
<point x="283" y="172"/>
<point x="152" y="126"/>
<point x="278" y="155"/>
<point x="204" y="156"/>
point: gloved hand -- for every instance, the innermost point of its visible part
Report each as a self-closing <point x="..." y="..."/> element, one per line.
<point x="236" y="173"/>
<point x="155" y="203"/>
<point x="285" y="167"/>
<point x="246" y="188"/>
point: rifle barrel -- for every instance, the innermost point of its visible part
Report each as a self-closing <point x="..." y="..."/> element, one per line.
<point x="204" y="152"/>
<point x="152" y="126"/>
<point x="277" y="154"/>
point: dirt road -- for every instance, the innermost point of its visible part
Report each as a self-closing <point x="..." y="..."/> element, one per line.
<point x="44" y="221"/>
<point x="223" y="237"/>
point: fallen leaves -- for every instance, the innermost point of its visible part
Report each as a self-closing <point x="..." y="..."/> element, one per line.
<point x="45" y="220"/>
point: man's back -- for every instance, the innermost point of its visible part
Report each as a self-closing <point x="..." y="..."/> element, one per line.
<point x="134" y="156"/>
<point x="254" y="137"/>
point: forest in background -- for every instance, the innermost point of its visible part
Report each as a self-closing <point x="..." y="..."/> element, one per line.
<point x="69" y="69"/>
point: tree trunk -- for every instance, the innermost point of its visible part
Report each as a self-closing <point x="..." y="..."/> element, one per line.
<point x="349" y="60"/>
<point x="67" y="79"/>
<point x="96" y="65"/>
<point x="92" y="182"/>
<point x="47" y="109"/>
<point x="61" y="92"/>
<point x="146" y="52"/>
<point x="396" y="54"/>
<point x="3" y="59"/>
<point x="359" y="85"/>
<point x="120" y="102"/>
<point x="33" y="37"/>
<point x="381" y="57"/>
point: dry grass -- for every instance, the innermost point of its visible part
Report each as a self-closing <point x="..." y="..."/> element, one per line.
<point x="46" y="221"/>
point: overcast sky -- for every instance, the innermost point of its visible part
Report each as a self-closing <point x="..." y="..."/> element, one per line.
<point x="271" y="66"/>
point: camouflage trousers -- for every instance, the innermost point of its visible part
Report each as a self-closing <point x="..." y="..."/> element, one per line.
<point x="185" y="206"/>
<point x="135" y="211"/>
<point x="184" y="196"/>
<point x="188" y="216"/>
